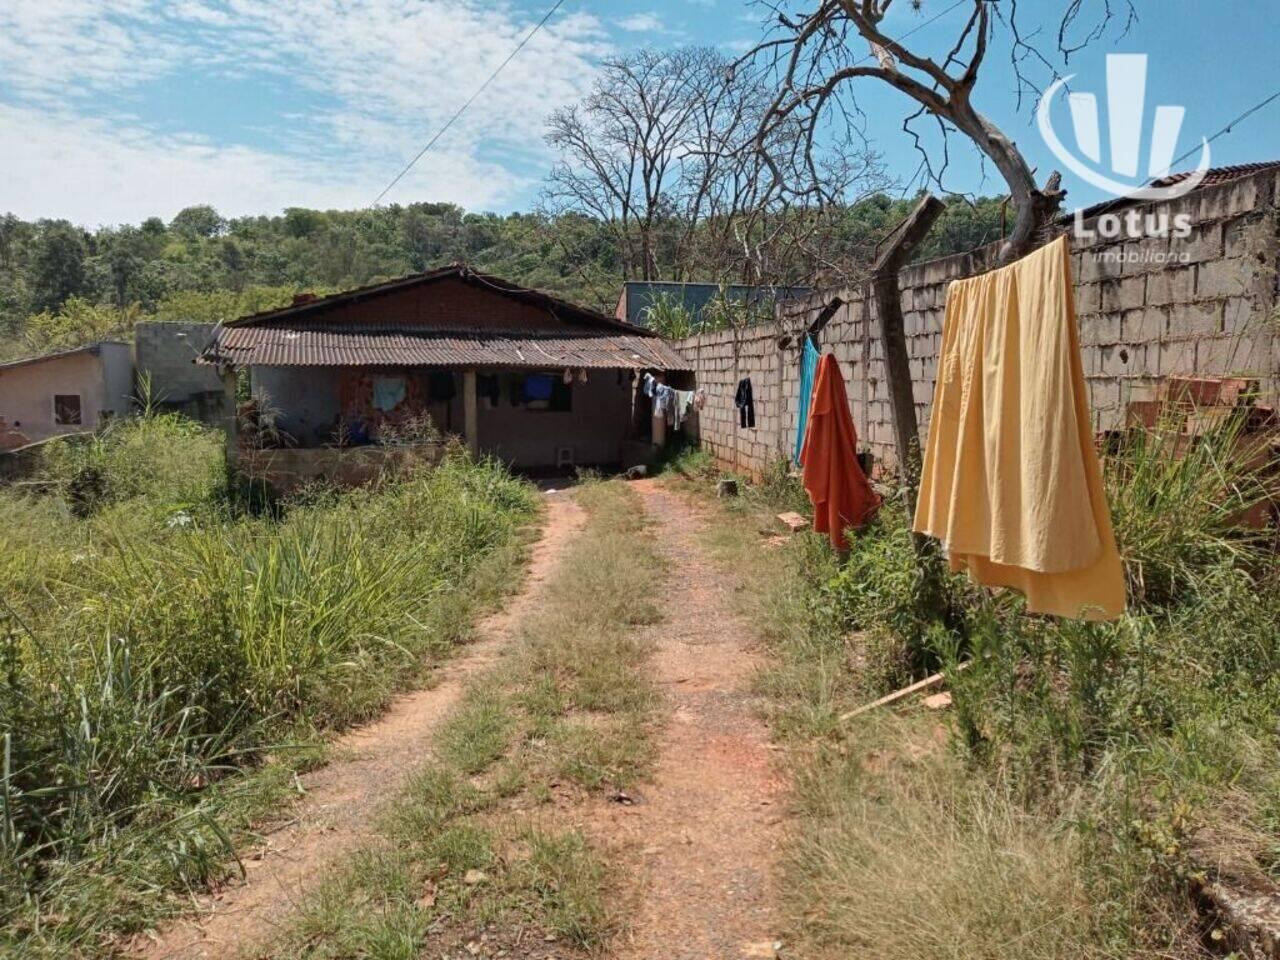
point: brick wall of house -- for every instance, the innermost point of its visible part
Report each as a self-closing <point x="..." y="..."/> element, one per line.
<point x="1139" y="320"/>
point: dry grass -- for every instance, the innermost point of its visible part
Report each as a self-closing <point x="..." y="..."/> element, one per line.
<point x="899" y="848"/>
<point x="900" y="853"/>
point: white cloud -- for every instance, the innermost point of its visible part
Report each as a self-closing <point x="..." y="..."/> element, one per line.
<point x="643" y="23"/>
<point x="100" y="173"/>
<point x="382" y="76"/>
<point x="52" y="49"/>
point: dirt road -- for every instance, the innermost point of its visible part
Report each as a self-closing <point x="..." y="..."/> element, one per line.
<point x="697" y="847"/>
<point x="705" y="832"/>
<point x="336" y="815"/>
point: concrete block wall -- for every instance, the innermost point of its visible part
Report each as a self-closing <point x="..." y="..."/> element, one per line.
<point x="167" y="351"/>
<point x="1204" y="304"/>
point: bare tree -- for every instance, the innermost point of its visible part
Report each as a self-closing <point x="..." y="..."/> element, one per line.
<point x="816" y="55"/>
<point x="663" y="152"/>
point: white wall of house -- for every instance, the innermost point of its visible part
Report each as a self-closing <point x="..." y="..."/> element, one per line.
<point x="101" y="380"/>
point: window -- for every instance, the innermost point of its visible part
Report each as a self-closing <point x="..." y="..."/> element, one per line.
<point x="66" y="408"/>
<point x="388" y="393"/>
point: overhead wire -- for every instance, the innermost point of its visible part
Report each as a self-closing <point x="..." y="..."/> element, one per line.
<point x="470" y="100"/>
<point x="1243" y="115"/>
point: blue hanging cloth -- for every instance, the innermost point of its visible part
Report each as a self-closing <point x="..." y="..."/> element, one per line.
<point x="808" y="367"/>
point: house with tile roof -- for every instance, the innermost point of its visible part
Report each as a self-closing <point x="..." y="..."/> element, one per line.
<point x="535" y="381"/>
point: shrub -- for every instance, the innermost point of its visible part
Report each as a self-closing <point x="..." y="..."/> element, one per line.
<point x="165" y="458"/>
<point x="1120" y="763"/>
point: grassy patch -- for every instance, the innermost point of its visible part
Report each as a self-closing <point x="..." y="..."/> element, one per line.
<point x="901" y="854"/>
<point x="472" y="849"/>
<point x="157" y="645"/>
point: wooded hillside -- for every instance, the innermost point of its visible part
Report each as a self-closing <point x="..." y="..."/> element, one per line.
<point x="63" y="284"/>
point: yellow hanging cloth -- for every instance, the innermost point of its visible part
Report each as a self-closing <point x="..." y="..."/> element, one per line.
<point x="1011" y="482"/>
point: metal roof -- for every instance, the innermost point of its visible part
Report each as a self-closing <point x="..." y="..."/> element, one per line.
<point x="286" y="347"/>
<point x="316" y="333"/>
<point x="638" y="296"/>
<point x="93" y="348"/>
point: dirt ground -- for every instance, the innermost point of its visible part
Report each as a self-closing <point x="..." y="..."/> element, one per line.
<point x="695" y="846"/>
<point x="341" y="798"/>
<point x="704" y="834"/>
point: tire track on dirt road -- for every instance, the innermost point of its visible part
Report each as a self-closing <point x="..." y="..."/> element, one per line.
<point x="706" y="832"/>
<point x="335" y="816"/>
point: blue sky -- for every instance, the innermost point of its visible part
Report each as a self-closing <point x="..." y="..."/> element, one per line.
<point x="114" y="110"/>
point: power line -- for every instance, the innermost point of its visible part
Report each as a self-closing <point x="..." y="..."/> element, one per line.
<point x="1110" y="205"/>
<point x="1227" y="129"/>
<point x="470" y="100"/>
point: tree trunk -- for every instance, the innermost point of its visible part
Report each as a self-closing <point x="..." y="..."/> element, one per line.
<point x="888" y="302"/>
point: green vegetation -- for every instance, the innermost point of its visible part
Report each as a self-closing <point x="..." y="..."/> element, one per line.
<point x="167" y="661"/>
<point x="61" y="285"/>
<point x="473" y="847"/>
<point x="1088" y="777"/>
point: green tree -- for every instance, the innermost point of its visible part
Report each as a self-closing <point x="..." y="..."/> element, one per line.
<point x="77" y="322"/>
<point x="58" y="266"/>
<point x="126" y="258"/>
<point x="198" y="223"/>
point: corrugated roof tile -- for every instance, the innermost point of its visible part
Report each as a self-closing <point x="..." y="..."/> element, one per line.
<point x="286" y="346"/>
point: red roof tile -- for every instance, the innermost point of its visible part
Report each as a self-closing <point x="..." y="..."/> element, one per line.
<point x="278" y="346"/>
<point x="448" y="317"/>
<point x="1217" y="175"/>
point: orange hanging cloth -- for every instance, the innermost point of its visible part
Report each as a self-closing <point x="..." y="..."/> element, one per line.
<point x="841" y="493"/>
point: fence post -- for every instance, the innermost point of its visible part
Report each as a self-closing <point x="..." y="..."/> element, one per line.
<point x="888" y="302"/>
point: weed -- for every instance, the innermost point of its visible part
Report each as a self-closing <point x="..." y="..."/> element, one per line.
<point x="1100" y="769"/>
<point x="567" y="878"/>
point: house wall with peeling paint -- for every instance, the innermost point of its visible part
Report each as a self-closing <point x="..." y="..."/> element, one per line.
<point x="101" y="376"/>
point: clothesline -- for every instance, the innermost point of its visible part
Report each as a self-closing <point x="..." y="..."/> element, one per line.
<point x="1011" y="482"/>
<point x="669" y="403"/>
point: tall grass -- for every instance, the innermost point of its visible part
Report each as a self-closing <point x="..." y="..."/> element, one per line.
<point x="153" y="651"/>
<point x="1095" y="774"/>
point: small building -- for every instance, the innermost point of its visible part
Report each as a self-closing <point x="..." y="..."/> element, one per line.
<point x="67" y="392"/>
<point x="533" y="380"/>
<point x="638" y="296"/>
<point x="164" y="355"/>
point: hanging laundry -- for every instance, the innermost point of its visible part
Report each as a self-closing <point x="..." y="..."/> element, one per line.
<point x="664" y="399"/>
<point x="1011" y="482"/>
<point x="388" y="393"/>
<point x="683" y="401"/>
<point x="808" y="367"/>
<point x="840" y="492"/>
<point x="649" y="384"/>
<point x="746" y="405"/>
